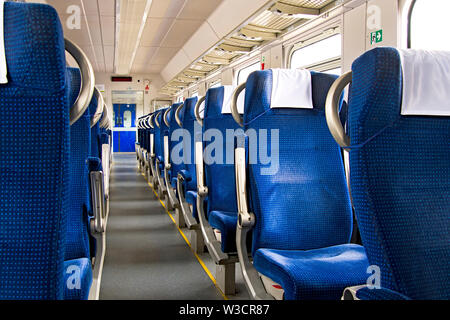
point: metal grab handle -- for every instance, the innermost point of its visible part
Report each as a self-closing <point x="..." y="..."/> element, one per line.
<point x="234" y="107"/>
<point x="105" y="121"/>
<point x="150" y="121"/>
<point x="166" y="114"/>
<point x="197" y="110"/>
<point x="144" y="123"/>
<point x="87" y="81"/>
<point x="100" y="107"/>
<point x="98" y="202"/>
<point x="332" y="110"/>
<point x="177" y="115"/>
<point x="156" y="120"/>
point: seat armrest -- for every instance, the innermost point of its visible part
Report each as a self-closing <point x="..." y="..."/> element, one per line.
<point x="214" y="246"/>
<point x="185" y="175"/>
<point x="246" y="221"/>
<point x="364" y="292"/>
<point x="97" y="189"/>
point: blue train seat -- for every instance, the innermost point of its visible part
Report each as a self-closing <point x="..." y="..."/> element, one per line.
<point x="160" y="130"/>
<point x="172" y="167"/>
<point x="187" y="182"/>
<point x="399" y="132"/>
<point x="220" y="177"/>
<point x="175" y="168"/>
<point x="216" y="183"/>
<point x="300" y="200"/>
<point x="35" y="191"/>
<point x="77" y="253"/>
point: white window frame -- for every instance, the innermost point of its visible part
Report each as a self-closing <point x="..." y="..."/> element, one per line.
<point x="324" y="65"/>
<point x="241" y="67"/>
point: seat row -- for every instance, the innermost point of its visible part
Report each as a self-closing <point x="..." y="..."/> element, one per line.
<point x="260" y="178"/>
<point x="54" y="164"/>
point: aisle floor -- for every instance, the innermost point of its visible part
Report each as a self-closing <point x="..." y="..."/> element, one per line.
<point x="146" y="256"/>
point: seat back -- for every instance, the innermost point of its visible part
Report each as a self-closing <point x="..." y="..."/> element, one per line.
<point x="96" y="149"/>
<point x="35" y="153"/>
<point x="77" y="236"/>
<point x="303" y="202"/>
<point x="187" y="117"/>
<point x="159" y="135"/>
<point x="219" y="164"/>
<point x="175" y="166"/>
<point x="400" y="174"/>
<point x="140" y="132"/>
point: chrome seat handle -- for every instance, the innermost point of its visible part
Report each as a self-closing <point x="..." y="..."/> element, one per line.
<point x="87" y="81"/>
<point x="332" y="109"/>
<point x="100" y="108"/>
<point x="177" y="115"/>
<point x="234" y="107"/>
<point x="197" y="110"/>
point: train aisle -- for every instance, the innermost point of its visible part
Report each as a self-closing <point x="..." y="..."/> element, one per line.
<point x="146" y="258"/>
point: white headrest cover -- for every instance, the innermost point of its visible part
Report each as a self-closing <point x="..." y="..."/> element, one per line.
<point x="3" y="67"/>
<point x="228" y="97"/>
<point x="426" y="82"/>
<point x="291" y="89"/>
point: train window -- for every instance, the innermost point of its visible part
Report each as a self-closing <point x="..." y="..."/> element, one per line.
<point x="336" y="71"/>
<point x="245" y="72"/>
<point x="428" y="20"/>
<point x="323" y="55"/>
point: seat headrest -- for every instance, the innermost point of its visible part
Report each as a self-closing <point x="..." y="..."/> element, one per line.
<point x="219" y="100"/>
<point x="34" y="48"/>
<point x="285" y="92"/>
<point x="426" y="82"/>
<point x="189" y="109"/>
<point x="291" y="88"/>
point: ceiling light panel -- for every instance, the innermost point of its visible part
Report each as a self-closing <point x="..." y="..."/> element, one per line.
<point x="131" y="17"/>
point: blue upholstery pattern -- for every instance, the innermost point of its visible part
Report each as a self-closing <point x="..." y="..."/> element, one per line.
<point x="96" y="148"/>
<point x="312" y="214"/>
<point x="77" y="279"/>
<point x="159" y="137"/>
<point x="175" y="168"/>
<point x="187" y="117"/>
<point x="77" y="236"/>
<point x="314" y="274"/>
<point x="400" y="180"/>
<point x="35" y="153"/>
<point x="220" y="177"/>
<point x="305" y="205"/>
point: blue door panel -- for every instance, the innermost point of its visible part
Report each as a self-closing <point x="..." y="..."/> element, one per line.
<point x="125" y="119"/>
<point x="116" y="141"/>
<point x="127" y="141"/>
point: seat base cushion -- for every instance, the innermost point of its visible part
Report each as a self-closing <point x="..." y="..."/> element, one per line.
<point x="320" y="274"/>
<point x="77" y="279"/>
<point x="225" y="222"/>
<point x="191" y="198"/>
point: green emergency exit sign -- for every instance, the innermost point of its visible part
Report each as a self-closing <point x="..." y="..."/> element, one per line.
<point x="376" y="37"/>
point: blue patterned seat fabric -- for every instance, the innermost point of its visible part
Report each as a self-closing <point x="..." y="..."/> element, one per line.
<point x="175" y="167"/>
<point x="159" y="140"/>
<point x="77" y="236"/>
<point x="35" y="188"/>
<point x="303" y="212"/>
<point x="187" y="117"/>
<point x="220" y="177"/>
<point x="400" y="180"/>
